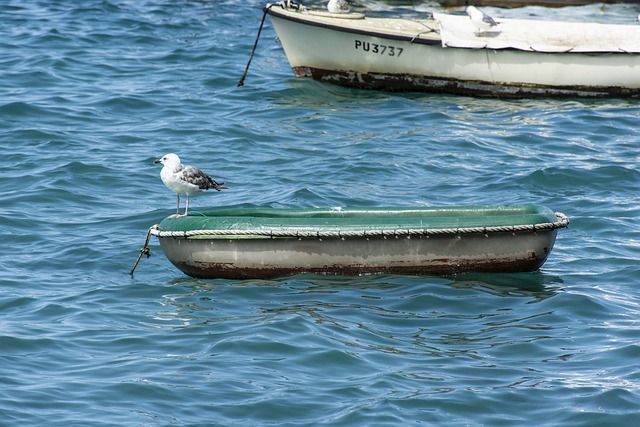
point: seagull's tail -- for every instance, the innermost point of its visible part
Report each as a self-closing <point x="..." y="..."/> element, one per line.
<point x="218" y="185"/>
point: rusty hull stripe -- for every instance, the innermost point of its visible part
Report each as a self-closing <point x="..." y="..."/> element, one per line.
<point x="443" y="267"/>
<point x="409" y="83"/>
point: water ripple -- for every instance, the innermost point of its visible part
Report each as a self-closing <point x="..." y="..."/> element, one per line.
<point x="93" y="93"/>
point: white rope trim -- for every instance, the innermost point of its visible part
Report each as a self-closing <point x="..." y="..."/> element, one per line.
<point x="561" y="222"/>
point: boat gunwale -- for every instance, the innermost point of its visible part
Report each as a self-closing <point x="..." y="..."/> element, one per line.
<point x="416" y="39"/>
<point x="309" y="20"/>
<point x="562" y="221"/>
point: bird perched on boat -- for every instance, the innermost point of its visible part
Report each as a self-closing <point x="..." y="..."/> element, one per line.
<point x="338" y="6"/>
<point x="187" y="180"/>
<point x="481" y="20"/>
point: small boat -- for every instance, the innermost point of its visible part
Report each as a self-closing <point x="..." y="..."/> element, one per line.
<point x="243" y="243"/>
<point x="448" y="53"/>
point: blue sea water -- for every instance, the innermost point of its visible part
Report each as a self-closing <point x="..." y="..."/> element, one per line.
<point x="91" y="92"/>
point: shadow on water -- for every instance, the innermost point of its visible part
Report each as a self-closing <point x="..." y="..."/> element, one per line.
<point x="310" y="282"/>
<point x="536" y="285"/>
<point x="308" y="93"/>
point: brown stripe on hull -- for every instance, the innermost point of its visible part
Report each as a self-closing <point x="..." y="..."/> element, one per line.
<point x="408" y="83"/>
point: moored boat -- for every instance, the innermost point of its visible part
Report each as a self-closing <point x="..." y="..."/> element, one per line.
<point x="269" y="242"/>
<point x="447" y="53"/>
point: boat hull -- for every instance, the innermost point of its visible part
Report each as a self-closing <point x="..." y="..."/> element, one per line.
<point x="338" y="246"/>
<point x="403" y="55"/>
<point x="259" y="258"/>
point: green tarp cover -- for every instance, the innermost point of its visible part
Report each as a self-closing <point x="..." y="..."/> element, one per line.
<point x="348" y="219"/>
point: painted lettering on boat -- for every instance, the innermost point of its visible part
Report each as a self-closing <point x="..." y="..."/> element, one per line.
<point x="380" y="49"/>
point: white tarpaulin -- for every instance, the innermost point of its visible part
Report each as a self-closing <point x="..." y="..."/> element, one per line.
<point x="539" y="36"/>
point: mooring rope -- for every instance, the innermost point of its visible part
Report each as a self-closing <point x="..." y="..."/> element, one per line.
<point x="561" y="222"/>
<point x="145" y="249"/>
<point x="246" y="70"/>
<point x="287" y="4"/>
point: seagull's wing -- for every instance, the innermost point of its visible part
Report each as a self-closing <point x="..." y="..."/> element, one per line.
<point x="489" y="20"/>
<point x="195" y="176"/>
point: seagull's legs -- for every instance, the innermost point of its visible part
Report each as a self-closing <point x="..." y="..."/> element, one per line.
<point x="186" y="210"/>
<point x="177" y="214"/>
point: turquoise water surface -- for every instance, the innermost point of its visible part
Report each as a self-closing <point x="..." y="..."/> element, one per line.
<point x="92" y="91"/>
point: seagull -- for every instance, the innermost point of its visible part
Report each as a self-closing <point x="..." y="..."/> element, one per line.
<point x="338" y="6"/>
<point x="480" y="19"/>
<point x="186" y="180"/>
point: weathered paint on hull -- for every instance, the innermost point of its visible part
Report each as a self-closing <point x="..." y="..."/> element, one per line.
<point x="268" y="258"/>
<point x="407" y="83"/>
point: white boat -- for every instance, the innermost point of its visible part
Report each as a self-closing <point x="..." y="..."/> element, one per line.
<point x="447" y="53"/>
<point x="267" y="242"/>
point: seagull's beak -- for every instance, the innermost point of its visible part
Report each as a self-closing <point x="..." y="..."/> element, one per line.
<point x="157" y="161"/>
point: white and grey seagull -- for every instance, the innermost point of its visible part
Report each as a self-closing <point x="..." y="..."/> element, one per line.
<point x="187" y="180"/>
<point x="481" y="20"/>
<point x="338" y="6"/>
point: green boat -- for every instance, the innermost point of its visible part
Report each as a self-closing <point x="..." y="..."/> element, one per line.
<point x="269" y="242"/>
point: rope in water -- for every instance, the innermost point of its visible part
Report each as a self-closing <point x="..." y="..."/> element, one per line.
<point x="287" y="4"/>
<point x="246" y="70"/>
<point x="145" y="249"/>
<point x="561" y="222"/>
